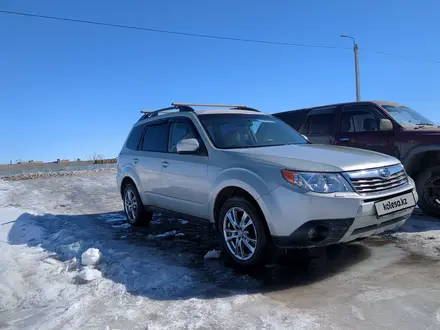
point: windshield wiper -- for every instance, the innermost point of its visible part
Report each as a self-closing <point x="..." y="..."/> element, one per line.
<point x="421" y="125"/>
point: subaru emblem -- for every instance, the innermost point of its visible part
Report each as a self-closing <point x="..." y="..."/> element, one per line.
<point x="384" y="172"/>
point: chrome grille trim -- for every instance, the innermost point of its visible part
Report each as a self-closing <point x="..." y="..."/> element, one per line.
<point x="371" y="181"/>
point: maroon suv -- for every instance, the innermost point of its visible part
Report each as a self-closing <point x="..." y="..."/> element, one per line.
<point x="386" y="127"/>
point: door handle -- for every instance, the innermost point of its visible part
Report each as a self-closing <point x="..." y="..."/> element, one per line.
<point x="165" y="164"/>
<point x="344" y="139"/>
<point x="135" y="160"/>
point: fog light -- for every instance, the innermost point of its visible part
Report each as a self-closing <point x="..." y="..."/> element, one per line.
<point x="312" y="233"/>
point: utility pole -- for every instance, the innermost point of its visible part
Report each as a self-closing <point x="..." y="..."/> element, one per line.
<point x="356" y="66"/>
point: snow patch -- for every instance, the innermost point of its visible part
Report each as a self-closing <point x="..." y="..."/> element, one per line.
<point x="425" y="243"/>
<point x="163" y="235"/>
<point x="214" y="254"/>
<point x="122" y="226"/>
<point x="91" y="257"/>
<point x="116" y="217"/>
<point x="90" y="274"/>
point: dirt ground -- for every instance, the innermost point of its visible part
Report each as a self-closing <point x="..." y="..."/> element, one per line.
<point x="156" y="277"/>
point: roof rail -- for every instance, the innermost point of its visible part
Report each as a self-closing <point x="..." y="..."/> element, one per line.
<point x="153" y="113"/>
<point x="232" y="106"/>
<point x="188" y="107"/>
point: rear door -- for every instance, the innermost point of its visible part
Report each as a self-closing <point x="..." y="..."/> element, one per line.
<point x="186" y="175"/>
<point x="319" y="125"/>
<point x="150" y="162"/>
<point x="359" y="128"/>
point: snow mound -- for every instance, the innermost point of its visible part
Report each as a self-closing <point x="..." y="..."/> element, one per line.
<point x="91" y="257"/>
<point x="90" y="274"/>
<point x="426" y="243"/>
<point x="214" y="254"/>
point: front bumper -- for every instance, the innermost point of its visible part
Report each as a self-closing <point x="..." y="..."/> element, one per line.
<point x="343" y="217"/>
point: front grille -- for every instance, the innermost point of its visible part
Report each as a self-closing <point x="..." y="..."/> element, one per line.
<point x="371" y="181"/>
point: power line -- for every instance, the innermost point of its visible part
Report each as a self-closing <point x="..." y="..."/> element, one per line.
<point x="401" y="56"/>
<point x="130" y="27"/>
<point x="206" y="36"/>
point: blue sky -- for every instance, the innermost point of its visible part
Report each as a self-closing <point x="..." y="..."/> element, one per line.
<point x="69" y="90"/>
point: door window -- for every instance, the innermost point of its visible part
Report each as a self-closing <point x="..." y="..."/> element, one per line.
<point x="319" y="121"/>
<point x="156" y="138"/>
<point x="361" y="118"/>
<point x="178" y="132"/>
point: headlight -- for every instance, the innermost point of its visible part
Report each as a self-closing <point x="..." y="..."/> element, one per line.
<point x="318" y="182"/>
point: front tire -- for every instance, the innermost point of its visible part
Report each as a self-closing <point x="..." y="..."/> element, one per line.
<point x="428" y="189"/>
<point x="134" y="208"/>
<point x="242" y="232"/>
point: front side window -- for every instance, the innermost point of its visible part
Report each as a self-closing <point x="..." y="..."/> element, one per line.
<point x="229" y="131"/>
<point x="156" y="138"/>
<point x="178" y="132"/>
<point x="319" y="121"/>
<point x="407" y="117"/>
<point x="360" y="118"/>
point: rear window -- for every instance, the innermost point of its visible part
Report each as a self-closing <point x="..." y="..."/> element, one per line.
<point x="135" y="137"/>
<point x="156" y="138"/>
<point x="320" y="121"/>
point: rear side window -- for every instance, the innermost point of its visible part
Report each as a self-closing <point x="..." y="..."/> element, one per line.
<point x="135" y="137"/>
<point x="319" y="121"/>
<point x="156" y="138"/>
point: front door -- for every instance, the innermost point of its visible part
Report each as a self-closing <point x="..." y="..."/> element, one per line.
<point x="360" y="128"/>
<point x="186" y="175"/>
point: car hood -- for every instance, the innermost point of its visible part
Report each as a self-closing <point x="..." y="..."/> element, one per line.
<point x="316" y="157"/>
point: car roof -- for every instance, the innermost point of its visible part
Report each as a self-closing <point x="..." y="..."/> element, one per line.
<point x="226" y="111"/>
<point x="380" y="103"/>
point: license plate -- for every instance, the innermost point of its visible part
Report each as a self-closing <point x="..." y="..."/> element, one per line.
<point x="395" y="204"/>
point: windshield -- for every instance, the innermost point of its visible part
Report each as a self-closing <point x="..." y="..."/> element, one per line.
<point x="231" y="131"/>
<point x="406" y="117"/>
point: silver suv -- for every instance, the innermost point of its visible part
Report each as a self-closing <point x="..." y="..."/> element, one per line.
<point x="258" y="180"/>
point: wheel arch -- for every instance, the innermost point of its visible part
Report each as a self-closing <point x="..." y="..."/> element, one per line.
<point x="238" y="190"/>
<point x="129" y="175"/>
<point x="420" y="158"/>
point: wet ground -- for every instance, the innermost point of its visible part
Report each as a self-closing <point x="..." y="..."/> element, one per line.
<point x="376" y="283"/>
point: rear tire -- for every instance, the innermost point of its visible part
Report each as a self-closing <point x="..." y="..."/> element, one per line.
<point x="428" y="189"/>
<point x="242" y="232"/>
<point x="134" y="208"/>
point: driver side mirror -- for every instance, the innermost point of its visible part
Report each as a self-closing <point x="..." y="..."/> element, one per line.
<point x="187" y="146"/>
<point x="385" y="125"/>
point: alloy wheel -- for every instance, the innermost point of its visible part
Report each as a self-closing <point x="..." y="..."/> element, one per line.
<point x="240" y="233"/>
<point x="131" y="206"/>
